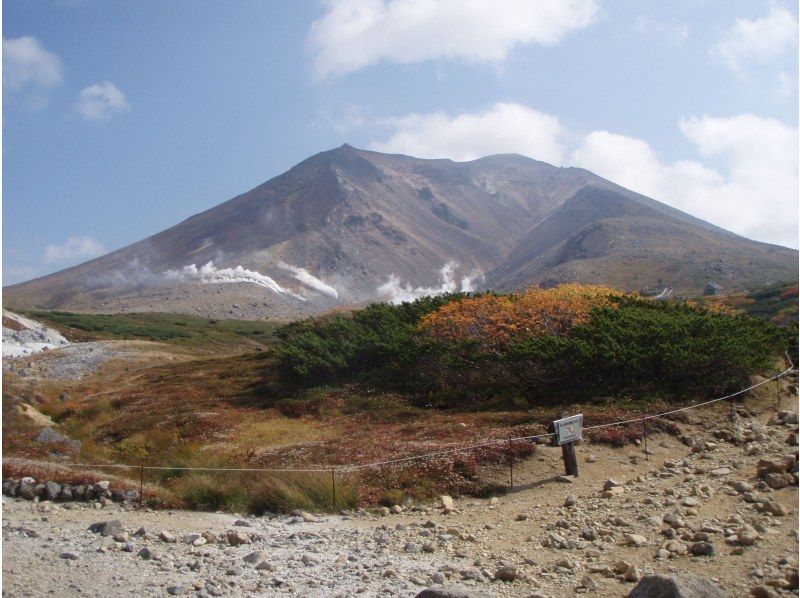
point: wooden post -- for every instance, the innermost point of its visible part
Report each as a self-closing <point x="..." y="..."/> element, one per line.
<point x="570" y="461"/>
<point x="644" y="430"/>
<point x="567" y="450"/>
<point x="141" y="486"/>
<point x="777" y="394"/>
<point x="511" y="461"/>
<point x="333" y="485"/>
<point x="733" y="411"/>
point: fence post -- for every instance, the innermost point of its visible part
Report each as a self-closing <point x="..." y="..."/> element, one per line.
<point x="644" y="430"/>
<point x="733" y="411"/>
<point x="511" y="461"/>
<point x="777" y="394"/>
<point x="141" y="486"/>
<point x="333" y="485"/>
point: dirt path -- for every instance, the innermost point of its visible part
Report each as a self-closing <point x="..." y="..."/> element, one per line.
<point x="530" y="535"/>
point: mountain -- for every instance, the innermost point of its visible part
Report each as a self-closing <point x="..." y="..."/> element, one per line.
<point x="348" y="226"/>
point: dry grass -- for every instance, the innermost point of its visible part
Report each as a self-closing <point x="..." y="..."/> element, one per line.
<point x="258" y="493"/>
<point x="228" y="412"/>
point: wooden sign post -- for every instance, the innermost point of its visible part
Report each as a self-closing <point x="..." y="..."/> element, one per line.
<point x="569" y="430"/>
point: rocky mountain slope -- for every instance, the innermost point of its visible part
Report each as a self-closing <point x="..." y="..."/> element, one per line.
<point x="350" y="226"/>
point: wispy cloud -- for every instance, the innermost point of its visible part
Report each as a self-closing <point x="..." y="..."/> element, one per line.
<point x="354" y="34"/>
<point x="751" y="43"/>
<point x="29" y="70"/>
<point x="74" y="249"/>
<point x="101" y="101"/>
<point x="754" y="193"/>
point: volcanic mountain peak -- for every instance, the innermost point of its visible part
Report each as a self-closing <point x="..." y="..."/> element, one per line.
<point x="350" y="226"/>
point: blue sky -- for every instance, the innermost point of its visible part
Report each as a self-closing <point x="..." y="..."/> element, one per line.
<point x="123" y="118"/>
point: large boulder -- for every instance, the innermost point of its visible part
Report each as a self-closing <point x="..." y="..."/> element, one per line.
<point x="48" y="435"/>
<point x="676" y="586"/>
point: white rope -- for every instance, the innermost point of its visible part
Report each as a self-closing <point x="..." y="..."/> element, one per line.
<point x="440" y="453"/>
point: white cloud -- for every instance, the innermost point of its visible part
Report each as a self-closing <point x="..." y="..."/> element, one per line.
<point x="30" y="70"/>
<point x="353" y="34"/>
<point x="751" y="43"/>
<point x="74" y="249"/>
<point x="504" y="128"/>
<point x="101" y="101"/>
<point x="754" y="193"/>
<point x="744" y="176"/>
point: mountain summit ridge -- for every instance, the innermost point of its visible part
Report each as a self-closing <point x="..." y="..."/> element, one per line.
<point x="353" y="219"/>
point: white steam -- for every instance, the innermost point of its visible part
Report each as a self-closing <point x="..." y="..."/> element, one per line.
<point x="311" y="281"/>
<point x="396" y="292"/>
<point x="210" y="274"/>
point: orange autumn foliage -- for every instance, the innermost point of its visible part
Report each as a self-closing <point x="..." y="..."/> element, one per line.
<point x="497" y="320"/>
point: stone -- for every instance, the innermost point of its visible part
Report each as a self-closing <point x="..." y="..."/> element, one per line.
<point x="191" y="538"/>
<point x="763" y="591"/>
<point x="266" y="566"/>
<point x="632" y="574"/>
<point x="107" y="528"/>
<point x="165" y="536"/>
<point x="507" y="574"/>
<point x="52" y="490"/>
<point x="304" y="515"/>
<point x="237" y="538"/>
<point x="570" y="500"/>
<point x="255" y="557"/>
<point x="242" y="523"/>
<point x="676" y="586"/>
<point x="621" y="566"/>
<point x="48" y="435"/>
<point x="635" y="540"/>
<point x="776" y="481"/>
<point x="611" y="483"/>
<point x="69" y="556"/>
<point x="147" y="553"/>
<point x="702" y="549"/>
<point x="396" y="509"/>
<point x="447" y="502"/>
<point x="179" y="590"/>
<point x="747" y="536"/>
<point x="450" y="592"/>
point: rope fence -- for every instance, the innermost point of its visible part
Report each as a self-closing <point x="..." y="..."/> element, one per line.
<point x="334" y="469"/>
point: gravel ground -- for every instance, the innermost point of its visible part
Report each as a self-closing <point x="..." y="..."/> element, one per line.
<point x="71" y="362"/>
<point x="555" y="538"/>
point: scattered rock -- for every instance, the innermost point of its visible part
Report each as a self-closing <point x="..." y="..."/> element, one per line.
<point x="107" y="528"/>
<point x="506" y="574"/>
<point x="676" y="586"/>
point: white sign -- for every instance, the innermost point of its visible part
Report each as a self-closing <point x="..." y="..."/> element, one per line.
<point x="569" y="429"/>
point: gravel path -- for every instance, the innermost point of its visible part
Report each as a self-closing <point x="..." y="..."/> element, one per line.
<point x="700" y="510"/>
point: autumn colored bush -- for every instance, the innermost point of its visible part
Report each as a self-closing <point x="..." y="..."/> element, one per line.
<point x="495" y="321"/>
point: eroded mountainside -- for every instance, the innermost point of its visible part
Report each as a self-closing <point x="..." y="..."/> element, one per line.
<point x="349" y="226"/>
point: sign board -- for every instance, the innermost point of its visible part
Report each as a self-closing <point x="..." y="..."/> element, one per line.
<point x="569" y="429"/>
